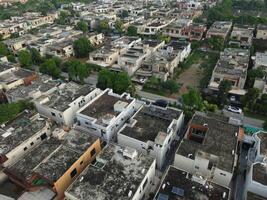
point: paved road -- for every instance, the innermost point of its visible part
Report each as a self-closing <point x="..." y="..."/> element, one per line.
<point x="246" y="120"/>
<point x="241" y="175"/>
<point x="154" y="97"/>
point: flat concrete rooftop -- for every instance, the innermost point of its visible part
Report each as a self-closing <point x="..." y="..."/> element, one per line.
<point x="150" y="121"/>
<point x="220" y="140"/>
<point x="111" y="177"/>
<point x="179" y="185"/>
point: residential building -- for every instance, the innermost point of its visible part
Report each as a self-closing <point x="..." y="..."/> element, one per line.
<point x="232" y="66"/>
<point x="62" y="104"/>
<point x="179" y="184"/>
<point x="194" y="31"/>
<point x="32" y="90"/>
<point x="62" y="49"/>
<point x="261" y="61"/>
<point x="15" y="76"/>
<point x="96" y="39"/>
<point x="256" y="182"/>
<point x="183" y="47"/>
<point x="105" y="114"/>
<point x="109" y="54"/>
<point x="56" y="163"/>
<point x="152" y="130"/>
<point x="219" y="29"/>
<point x="154" y="26"/>
<point x="20" y="43"/>
<point x="261" y="32"/>
<point x="261" y="84"/>
<point x="132" y="59"/>
<point x="118" y="173"/>
<point x="241" y="36"/>
<point x="160" y="63"/>
<point x="21" y="24"/>
<point x="209" y="148"/>
<point x="21" y="135"/>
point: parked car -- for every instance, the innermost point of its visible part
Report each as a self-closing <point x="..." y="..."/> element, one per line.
<point x="234" y="109"/>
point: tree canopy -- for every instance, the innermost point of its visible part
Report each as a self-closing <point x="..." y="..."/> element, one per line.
<point x="25" y="59"/>
<point x="51" y="68"/>
<point x="224" y="87"/>
<point x="77" y="71"/>
<point x="132" y="31"/>
<point x="119" y="82"/>
<point x="82" y="47"/>
<point x="82" y="26"/>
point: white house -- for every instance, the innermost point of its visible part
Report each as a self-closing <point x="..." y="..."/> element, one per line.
<point x="106" y="113"/>
<point x="152" y="130"/>
<point x="209" y="148"/>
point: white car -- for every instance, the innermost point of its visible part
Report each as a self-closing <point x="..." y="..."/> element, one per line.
<point x="234" y="109"/>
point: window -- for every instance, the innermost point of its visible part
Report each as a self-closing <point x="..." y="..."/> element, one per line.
<point x="43" y="136"/>
<point x="81" y="162"/>
<point x="53" y="114"/>
<point x="196" y="167"/>
<point x="93" y="152"/>
<point x="32" y="143"/>
<point x="73" y="173"/>
<point x="222" y="174"/>
<point x="25" y="148"/>
<point x="145" y="183"/>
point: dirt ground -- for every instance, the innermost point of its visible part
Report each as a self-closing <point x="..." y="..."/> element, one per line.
<point x="190" y="78"/>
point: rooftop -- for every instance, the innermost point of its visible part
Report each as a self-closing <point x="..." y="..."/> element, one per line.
<point x="113" y="176"/>
<point x="66" y="94"/>
<point x="233" y="62"/>
<point x="179" y="185"/>
<point x="220" y="27"/>
<point x="73" y="146"/>
<point x="104" y="105"/>
<point x="220" y="140"/>
<point x="25" y="166"/>
<point x="263" y="143"/>
<point x="252" y="196"/>
<point x="42" y="84"/>
<point x="15" y="75"/>
<point x="150" y="121"/>
<point x="20" y="129"/>
<point x="260" y="173"/>
<point x="6" y="66"/>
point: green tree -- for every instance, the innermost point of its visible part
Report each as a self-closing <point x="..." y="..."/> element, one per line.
<point x="119" y="26"/>
<point x="119" y="82"/>
<point x="224" y="87"/>
<point x="45" y="7"/>
<point x="77" y="70"/>
<point x="103" y="26"/>
<point x="82" y="26"/>
<point x="25" y="59"/>
<point x="171" y="85"/>
<point x="192" y="100"/>
<point x="253" y="74"/>
<point x="122" y="83"/>
<point x="3" y="49"/>
<point x="124" y="14"/>
<point x="36" y="57"/>
<point x="250" y="98"/>
<point x="215" y="43"/>
<point x="82" y="47"/>
<point x="63" y="18"/>
<point x="132" y="31"/>
<point x="50" y="67"/>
